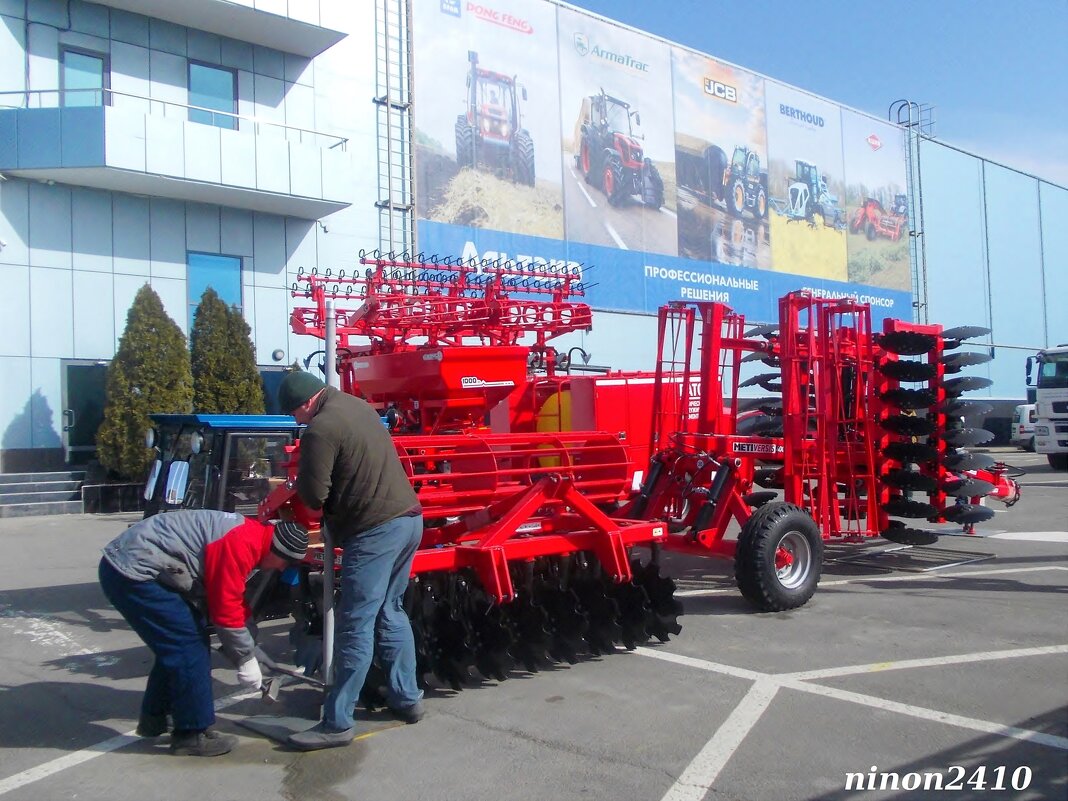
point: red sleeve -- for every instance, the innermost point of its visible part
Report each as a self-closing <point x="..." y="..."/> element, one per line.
<point x="227" y="564"/>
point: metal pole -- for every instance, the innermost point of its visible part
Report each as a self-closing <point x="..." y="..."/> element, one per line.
<point x="328" y="543"/>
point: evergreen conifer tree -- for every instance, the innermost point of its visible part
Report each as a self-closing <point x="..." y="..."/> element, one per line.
<point x="150" y="373"/>
<point x="225" y="377"/>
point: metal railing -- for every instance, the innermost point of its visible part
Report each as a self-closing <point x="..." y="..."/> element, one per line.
<point x="82" y="98"/>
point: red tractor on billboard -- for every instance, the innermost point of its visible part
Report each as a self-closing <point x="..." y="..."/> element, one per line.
<point x="489" y="132"/>
<point x="875" y="221"/>
<point x="610" y="156"/>
<point x="744" y="184"/>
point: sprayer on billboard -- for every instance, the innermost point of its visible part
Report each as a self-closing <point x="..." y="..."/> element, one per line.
<point x="547" y="136"/>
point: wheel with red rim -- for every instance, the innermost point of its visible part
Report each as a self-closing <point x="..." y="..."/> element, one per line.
<point x="779" y="557"/>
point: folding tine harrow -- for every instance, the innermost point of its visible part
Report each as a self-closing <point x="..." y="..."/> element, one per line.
<point x="548" y="498"/>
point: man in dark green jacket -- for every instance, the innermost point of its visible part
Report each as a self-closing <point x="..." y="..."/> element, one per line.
<point x="350" y="469"/>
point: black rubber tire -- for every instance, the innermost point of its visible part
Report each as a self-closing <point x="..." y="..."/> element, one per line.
<point x="585" y="157"/>
<point x="737" y="187"/>
<point x="523" y="154"/>
<point x="909" y="370"/>
<point x="465" y="143"/>
<point x="1058" y="461"/>
<point x="614" y="191"/>
<point x="754" y="561"/>
<point x="716" y="163"/>
<point x="656" y="198"/>
<point x="761" y="204"/>
<point x="869" y="232"/>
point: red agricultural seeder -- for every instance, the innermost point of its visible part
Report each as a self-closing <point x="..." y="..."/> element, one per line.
<point x="539" y="486"/>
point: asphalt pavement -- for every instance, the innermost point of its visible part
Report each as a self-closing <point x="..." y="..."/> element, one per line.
<point x="890" y="676"/>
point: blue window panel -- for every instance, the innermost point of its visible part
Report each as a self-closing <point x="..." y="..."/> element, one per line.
<point x="1055" y="261"/>
<point x="221" y="273"/>
<point x="84" y="79"/>
<point x="212" y="88"/>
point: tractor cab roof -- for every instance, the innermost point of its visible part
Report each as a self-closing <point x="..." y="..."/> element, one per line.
<point x="244" y="422"/>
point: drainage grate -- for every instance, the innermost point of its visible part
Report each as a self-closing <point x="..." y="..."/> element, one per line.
<point x="913" y="558"/>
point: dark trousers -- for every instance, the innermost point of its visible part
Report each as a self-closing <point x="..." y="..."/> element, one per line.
<point x="179" y="683"/>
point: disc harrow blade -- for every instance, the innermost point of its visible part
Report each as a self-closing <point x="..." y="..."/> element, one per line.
<point x="905" y="507"/>
<point x="965" y="408"/>
<point x="635" y="612"/>
<point x="762" y="330"/>
<point x="967" y="487"/>
<point x="908" y="425"/>
<point x="761" y="356"/>
<point x="910" y="398"/>
<point x="966" y="383"/>
<point x="769" y="477"/>
<point x="494" y="638"/>
<point x="956" y="361"/>
<point x="602" y="613"/>
<point x="664" y="606"/>
<point x="966" y="437"/>
<point x="967" y="513"/>
<point x="567" y="624"/>
<point x="530" y="623"/>
<point x="910" y="480"/>
<point x="907" y="343"/>
<point x="906" y="452"/>
<point x="906" y="535"/>
<point x="965" y="460"/>
<point x="965" y="332"/>
<point x="759" y="380"/>
<point x="908" y="370"/>
<point x="759" y="498"/>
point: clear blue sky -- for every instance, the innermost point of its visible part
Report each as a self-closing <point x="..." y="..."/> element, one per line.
<point x="995" y="70"/>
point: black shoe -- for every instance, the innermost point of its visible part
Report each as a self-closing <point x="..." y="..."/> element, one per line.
<point x="152" y="726"/>
<point x="409" y="714"/>
<point x="206" y="743"/>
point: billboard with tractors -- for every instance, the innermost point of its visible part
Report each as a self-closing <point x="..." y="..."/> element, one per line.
<point x="547" y="136"/>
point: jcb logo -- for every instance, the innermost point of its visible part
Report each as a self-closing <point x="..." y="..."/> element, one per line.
<point x="721" y="90"/>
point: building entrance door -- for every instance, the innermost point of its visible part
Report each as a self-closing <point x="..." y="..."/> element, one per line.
<point x="84" y="394"/>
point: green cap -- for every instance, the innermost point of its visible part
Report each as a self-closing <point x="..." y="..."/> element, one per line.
<point x="296" y="388"/>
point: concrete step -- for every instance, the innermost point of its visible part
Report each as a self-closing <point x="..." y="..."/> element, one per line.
<point x="46" y="508"/>
<point x="45" y="496"/>
<point x="40" y="486"/>
<point x="36" y="478"/>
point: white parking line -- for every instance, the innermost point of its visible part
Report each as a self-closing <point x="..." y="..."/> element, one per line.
<point x="697" y="779"/>
<point x="869" y="579"/>
<point x="1031" y="536"/>
<point x="582" y="189"/>
<point x="618" y="239"/>
<point x="668" y="212"/>
<point x="985" y="726"/>
<point x="92" y="752"/>
<point x="936" y="661"/>
<point x="701" y="664"/>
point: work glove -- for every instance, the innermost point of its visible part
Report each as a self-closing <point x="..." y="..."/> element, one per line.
<point x="249" y="674"/>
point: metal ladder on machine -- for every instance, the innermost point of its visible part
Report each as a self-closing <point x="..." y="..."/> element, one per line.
<point x="395" y="133"/>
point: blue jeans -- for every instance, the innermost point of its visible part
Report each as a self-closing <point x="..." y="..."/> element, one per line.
<point x="371" y="619"/>
<point x="179" y="683"/>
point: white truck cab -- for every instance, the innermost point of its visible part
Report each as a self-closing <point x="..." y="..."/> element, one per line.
<point x="1049" y="370"/>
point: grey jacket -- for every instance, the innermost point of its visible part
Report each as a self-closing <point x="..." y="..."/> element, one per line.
<point x="204" y="555"/>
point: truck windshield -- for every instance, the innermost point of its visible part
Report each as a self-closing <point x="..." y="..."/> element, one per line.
<point x="1053" y="371"/>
